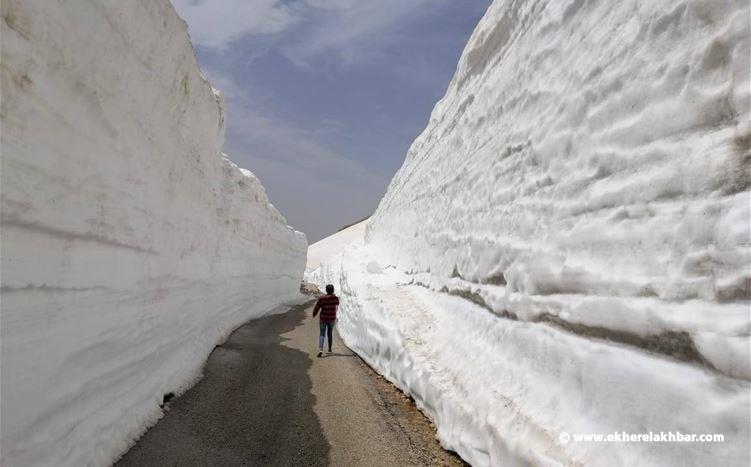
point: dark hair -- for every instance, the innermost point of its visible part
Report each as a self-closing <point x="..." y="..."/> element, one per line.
<point x="329" y="289"/>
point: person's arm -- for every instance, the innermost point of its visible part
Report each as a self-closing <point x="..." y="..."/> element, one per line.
<point x="317" y="307"/>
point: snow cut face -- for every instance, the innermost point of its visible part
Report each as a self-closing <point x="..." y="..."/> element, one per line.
<point x="130" y="244"/>
<point x="589" y="166"/>
<point x="566" y="246"/>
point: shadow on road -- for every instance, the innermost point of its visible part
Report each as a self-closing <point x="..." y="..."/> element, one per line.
<point x="254" y="406"/>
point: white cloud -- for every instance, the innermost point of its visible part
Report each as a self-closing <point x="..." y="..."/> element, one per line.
<point x="216" y="23"/>
<point x="349" y="30"/>
<point x="345" y="30"/>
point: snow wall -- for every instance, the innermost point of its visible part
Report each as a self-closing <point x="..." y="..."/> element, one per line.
<point x="566" y="247"/>
<point x="326" y="248"/>
<point x="130" y="244"/>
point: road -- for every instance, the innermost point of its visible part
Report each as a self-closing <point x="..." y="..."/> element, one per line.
<point x="266" y="399"/>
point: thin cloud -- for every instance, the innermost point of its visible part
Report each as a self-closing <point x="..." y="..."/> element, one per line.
<point x="349" y="30"/>
<point x="216" y="24"/>
<point x="300" y="172"/>
<point x="345" y="30"/>
<point x="288" y="142"/>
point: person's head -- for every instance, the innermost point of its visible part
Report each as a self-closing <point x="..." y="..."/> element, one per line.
<point x="330" y="289"/>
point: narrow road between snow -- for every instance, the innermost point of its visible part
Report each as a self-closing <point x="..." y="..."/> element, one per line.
<point x="266" y="399"/>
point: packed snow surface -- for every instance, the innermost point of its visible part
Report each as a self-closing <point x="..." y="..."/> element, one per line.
<point x="130" y="244"/>
<point x="566" y="247"/>
<point x="323" y="250"/>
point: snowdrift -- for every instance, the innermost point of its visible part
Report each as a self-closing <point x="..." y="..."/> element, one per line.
<point x="566" y="248"/>
<point x="323" y="250"/>
<point x="130" y="244"/>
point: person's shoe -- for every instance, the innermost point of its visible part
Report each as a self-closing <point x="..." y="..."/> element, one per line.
<point x="329" y="350"/>
<point x="320" y="353"/>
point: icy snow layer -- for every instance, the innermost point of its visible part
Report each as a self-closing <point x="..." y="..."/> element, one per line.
<point x="130" y="245"/>
<point x="574" y="222"/>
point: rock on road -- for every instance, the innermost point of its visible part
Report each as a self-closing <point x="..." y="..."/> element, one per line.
<point x="265" y="399"/>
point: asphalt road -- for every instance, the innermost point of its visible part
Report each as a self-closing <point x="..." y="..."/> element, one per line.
<point x="266" y="399"/>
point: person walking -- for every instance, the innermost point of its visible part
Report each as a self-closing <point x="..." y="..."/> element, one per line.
<point x="328" y="305"/>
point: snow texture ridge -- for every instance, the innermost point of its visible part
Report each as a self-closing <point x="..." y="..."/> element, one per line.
<point x="567" y="245"/>
<point x="130" y="244"/>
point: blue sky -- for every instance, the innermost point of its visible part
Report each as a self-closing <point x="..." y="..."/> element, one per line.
<point x="324" y="97"/>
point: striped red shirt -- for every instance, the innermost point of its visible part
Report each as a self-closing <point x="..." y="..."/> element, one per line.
<point x="327" y="305"/>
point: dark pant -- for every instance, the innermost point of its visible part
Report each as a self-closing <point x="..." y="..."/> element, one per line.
<point x="324" y="326"/>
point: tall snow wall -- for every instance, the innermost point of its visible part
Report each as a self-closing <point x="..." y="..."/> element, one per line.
<point x="130" y="244"/>
<point x="566" y="247"/>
